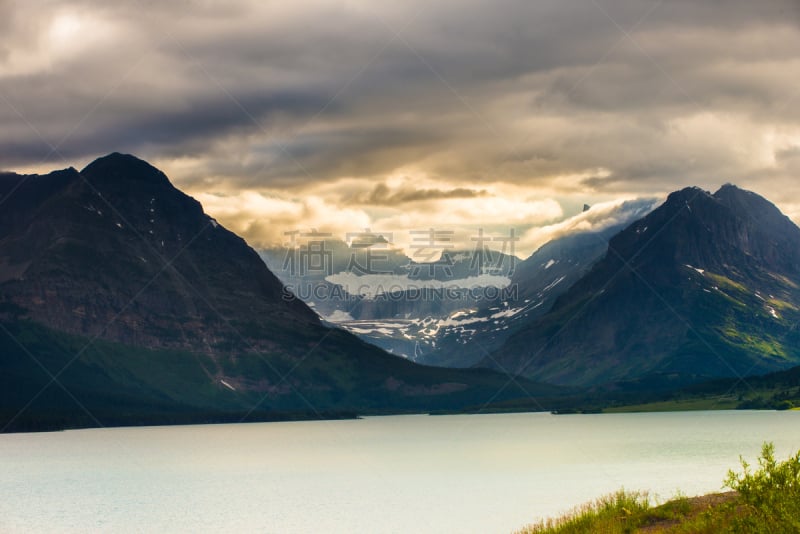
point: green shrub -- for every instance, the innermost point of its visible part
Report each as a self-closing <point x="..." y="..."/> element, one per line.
<point x="770" y="496"/>
<point x="767" y="500"/>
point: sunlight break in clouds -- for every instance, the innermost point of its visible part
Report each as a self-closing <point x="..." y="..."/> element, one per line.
<point x="264" y="219"/>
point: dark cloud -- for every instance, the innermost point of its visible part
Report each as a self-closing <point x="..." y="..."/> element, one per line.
<point x="610" y="95"/>
<point x="194" y="124"/>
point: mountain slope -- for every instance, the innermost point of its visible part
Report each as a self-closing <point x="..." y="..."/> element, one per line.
<point x="704" y="286"/>
<point x="124" y="290"/>
<point x="537" y="282"/>
<point x="160" y="272"/>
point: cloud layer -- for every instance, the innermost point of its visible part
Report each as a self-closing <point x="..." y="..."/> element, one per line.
<point x="349" y="113"/>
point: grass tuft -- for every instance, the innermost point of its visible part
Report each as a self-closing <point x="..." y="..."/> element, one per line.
<point x="764" y="500"/>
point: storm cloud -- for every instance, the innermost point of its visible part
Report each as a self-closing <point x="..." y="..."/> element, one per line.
<point x="366" y="105"/>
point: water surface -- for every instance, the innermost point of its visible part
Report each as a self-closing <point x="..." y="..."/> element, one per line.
<point x="467" y="473"/>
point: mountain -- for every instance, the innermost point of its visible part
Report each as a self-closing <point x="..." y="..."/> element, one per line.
<point x="381" y="295"/>
<point x="374" y="281"/>
<point x="159" y="271"/>
<point x="305" y="264"/>
<point x="121" y="301"/>
<point x="467" y="337"/>
<point x="705" y="286"/>
<point x="455" y="311"/>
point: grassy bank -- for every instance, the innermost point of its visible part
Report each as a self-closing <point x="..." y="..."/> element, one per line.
<point x="764" y="499"/>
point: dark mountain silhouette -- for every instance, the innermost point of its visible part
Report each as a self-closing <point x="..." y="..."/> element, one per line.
<point x="145" y="309"/>
<point x="117" y="252"/>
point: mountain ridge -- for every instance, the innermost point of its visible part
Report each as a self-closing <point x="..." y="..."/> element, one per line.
<point x="684" y="290"/>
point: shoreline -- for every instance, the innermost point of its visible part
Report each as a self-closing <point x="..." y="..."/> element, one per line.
<point x="61" y="424"/>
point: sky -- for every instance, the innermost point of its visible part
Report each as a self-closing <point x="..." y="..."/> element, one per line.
<point x="406" y="115"/>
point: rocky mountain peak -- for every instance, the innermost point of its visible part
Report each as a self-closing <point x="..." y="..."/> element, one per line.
<point x="116" y="168"/>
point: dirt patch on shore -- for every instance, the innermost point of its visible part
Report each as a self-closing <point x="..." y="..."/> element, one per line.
<point x="696" y="505"/>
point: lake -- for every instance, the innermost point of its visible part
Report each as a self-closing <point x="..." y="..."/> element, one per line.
<point x="461" y="473"/>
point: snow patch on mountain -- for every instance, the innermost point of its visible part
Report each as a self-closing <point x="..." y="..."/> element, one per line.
<point x="554" y="283"/>
<point x="338" y="316"/>
<point x="700" y="271"/>
<point x="372" y="285"/>
<point x="506" y="313"/>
